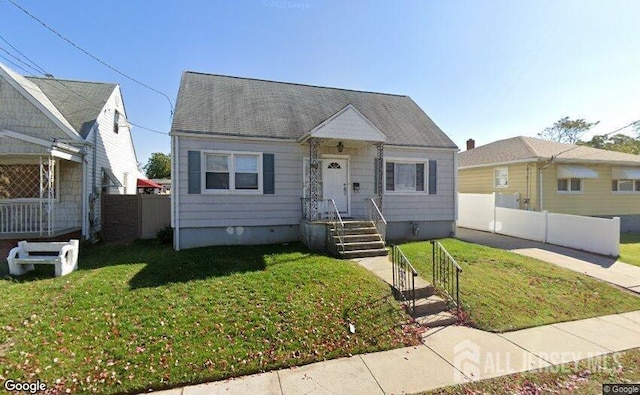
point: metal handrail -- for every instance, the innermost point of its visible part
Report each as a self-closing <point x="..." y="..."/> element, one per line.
<point x="336" y="221"/>
<point x="375" y="215"/>
<point x="404" y="275"/>
<point x="446" y="272"/>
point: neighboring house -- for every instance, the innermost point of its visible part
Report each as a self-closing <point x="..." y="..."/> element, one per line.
<point x="257" y="161"/>
<point x="62" y="144"/>
<point x="557" y="177"/>
<point x="149" y="187"/>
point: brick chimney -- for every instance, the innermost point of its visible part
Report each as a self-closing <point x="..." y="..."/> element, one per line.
<point x="471" y="144"/>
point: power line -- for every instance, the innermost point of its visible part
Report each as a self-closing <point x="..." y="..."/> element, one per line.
<point x="636" y="122"/>
<point x="23" y="55"/>
<point x="93" y="56"/>
<point x="19" y="60"/>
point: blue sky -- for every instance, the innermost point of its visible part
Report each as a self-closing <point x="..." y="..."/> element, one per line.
<point x="481" y="69"/>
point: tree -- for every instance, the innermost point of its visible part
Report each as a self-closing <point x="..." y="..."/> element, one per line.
<point x="158" y="166"/>
<point x="567" y="130"/>
<point x="617" y="142"/>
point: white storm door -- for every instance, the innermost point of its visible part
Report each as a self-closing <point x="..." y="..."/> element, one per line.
<point x="335" y="182"/>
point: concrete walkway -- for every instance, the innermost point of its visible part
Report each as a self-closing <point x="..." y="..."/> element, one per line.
<point x="448" y="356"/>
<point x="596" y="266"/>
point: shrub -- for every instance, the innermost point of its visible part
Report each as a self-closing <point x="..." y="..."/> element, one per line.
<point x="165" y="235"/>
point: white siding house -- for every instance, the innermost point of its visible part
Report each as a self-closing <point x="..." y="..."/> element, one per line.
<point x="262" y="162"/>
<point x="61" y="147"/>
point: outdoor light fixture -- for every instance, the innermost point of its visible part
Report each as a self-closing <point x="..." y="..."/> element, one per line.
<point x="340" y="146"/>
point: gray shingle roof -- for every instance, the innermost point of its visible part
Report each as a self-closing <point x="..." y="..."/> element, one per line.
<point x="528" y="148"/>
<point x="216" y="104"/>
<point x="79" y="102"/>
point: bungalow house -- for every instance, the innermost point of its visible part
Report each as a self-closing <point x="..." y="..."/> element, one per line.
<point x="557" y="177"/>
<point x="264" y="162"/>
<point x="62" y="144"/>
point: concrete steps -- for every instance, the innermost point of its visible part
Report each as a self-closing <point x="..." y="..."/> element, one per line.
<point x="360" y="239"/>
<point x="430" y="309"/>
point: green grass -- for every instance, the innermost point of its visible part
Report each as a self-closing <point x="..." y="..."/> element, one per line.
<point x="503" y="291"/>
<point x="143" y="316"/>
<point x="630" y="248"/>
<point x="584" y="377"/>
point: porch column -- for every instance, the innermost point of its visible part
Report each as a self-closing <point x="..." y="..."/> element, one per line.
<point x="380" y="175"/>
<point x="314" y="144"/>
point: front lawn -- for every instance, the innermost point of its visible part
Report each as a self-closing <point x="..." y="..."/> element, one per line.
<point x="143" y="316"/>
<point x="503" y="291"/>
<point x="630" y="248"/>
<point x="584" y="377"/>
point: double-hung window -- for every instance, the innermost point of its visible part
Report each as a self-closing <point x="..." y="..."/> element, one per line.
<point x="405" y="176"/>
<point x="501" y="177"/>
<point x="232" y="172"/>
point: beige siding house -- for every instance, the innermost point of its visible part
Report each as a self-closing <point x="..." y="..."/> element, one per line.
<point x="62" y="144"/>
<point x="262" y="162"/>
<point x="560" y="178"/>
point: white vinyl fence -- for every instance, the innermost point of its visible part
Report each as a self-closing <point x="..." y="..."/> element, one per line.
<point x="599" y="235"/>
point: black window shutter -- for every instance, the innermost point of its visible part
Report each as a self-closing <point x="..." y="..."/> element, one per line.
<point x="268" y="174"/>
<point x="433" y="177"/>
<point x="390" y="184"/>
<point x="419" y="176"/>
<point x="193" y="169"/>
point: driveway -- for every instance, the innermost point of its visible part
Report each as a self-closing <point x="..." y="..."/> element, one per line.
<point x="600" y="267"/>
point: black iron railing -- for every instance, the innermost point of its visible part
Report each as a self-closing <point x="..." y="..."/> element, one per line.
<point x="403" y="278"/>
<point x="446" y="272"/>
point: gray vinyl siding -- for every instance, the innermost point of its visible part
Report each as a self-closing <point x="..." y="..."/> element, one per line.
<point x="422" y="206"/>
<point x="216" y="210"/>
<point x="284" y="208"/>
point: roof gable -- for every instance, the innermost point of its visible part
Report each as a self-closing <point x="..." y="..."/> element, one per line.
<point x="348" y="124"/>
<point x="36" y="97"/>
<point x="222" y="105"/>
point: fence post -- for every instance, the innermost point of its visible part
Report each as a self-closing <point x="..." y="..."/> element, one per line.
<point x="546" y="226"/>
<point x="433" y="262"/>
<point x="493" y="200"/>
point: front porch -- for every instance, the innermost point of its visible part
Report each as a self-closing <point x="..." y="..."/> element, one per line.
<point x="40" y="197"/>
<point x="343" y="177"/>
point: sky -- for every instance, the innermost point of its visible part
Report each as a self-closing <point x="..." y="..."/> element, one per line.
<point x="485" y="69"/>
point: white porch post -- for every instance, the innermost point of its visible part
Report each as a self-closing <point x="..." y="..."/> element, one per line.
<point x="314" y="144"/>
<point x="380" y="175"/>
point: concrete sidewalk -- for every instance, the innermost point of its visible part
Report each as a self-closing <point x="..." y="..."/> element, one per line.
<point x="596" y="266"/>
<point x="448" y="356"/>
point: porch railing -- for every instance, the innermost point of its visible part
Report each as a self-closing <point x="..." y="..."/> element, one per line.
<point x="25" y="217"/>
<point x="375" y="215"/>
<point x="404" y="278"/>
<point x="336" y="221"/>
<point x="446" y="272"/>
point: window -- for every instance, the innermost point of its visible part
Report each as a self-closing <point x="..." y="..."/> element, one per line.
<point x="625" y="185"/>
<point x="22" y="181"/>
<point x="116" y="121"/>
<point x="405" y="176"/>
<point x="501" y="177"/>
<point x="569" y="185"/>
<point x="232" y="171"/>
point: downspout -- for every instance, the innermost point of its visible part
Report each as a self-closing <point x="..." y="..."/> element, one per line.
<point x="540" y="189"/>
<point x="85" y="199"/>
<point x="92" y="195"/>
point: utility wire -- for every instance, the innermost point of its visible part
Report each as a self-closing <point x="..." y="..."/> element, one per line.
<point x="41" y="70"/>
<point x="636" y="122"/>
<point x="93" y="56"/>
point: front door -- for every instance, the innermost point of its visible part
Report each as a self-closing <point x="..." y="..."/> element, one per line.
<point x="335" y="182"/>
